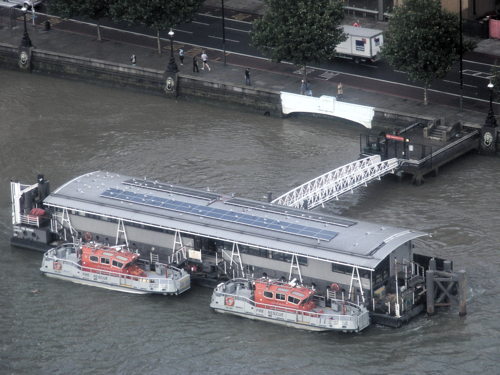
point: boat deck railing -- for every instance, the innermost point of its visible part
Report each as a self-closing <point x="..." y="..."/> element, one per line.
<point x="56" y="255"/>
<point x="356" y="318"/>
<point x="31" y="220"/>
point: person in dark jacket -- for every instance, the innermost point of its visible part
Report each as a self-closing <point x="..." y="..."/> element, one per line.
<point x="195" y="65"/>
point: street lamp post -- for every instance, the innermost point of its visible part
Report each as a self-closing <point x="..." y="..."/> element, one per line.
<point x="223" y="32"/>
<point x="461" y="57"/>
<point x="172" y="66"/>
<point x="490" y="119"/>
<point x="26" y="41"/>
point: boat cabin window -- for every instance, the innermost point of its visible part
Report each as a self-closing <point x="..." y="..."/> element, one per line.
<point x="280" y="297"/>
<point x="340" y="268"/>
<point x="293" y="300"/>
<point x="268" y="294"/>
<point x="123" y="259"/>
<point x="117" y="264"/>
<point x="104" y="260"/>
<point x="95" y="259"/>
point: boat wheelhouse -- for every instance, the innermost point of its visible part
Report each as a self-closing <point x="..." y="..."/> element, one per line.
<point x="217" y="236"/>
<point x="288" y="304"/>
<point x="113" y="267"/>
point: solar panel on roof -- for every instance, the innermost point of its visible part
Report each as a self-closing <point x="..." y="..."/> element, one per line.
<point x="289" y="211"/>
<point x="217" y="213"/>
<point x="153" y="185"/>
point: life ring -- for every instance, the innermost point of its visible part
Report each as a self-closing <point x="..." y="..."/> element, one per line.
<point x="87" y="236"/>
<point x="229" y="301"/>
<point x="57" y="266"/>
<point x="335" y="287"/>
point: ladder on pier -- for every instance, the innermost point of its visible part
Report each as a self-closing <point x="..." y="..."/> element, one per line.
<point x="339" y="181"/>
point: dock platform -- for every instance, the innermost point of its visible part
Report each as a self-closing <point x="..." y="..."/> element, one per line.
<point x="422" y="148"/>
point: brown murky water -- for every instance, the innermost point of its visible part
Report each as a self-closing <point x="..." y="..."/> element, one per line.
<point x="64" y="129"/>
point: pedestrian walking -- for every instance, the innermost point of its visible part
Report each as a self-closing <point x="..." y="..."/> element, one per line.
<point x="195" y="65"/>
<point x="302" y="87"/>
<point x="133" y="60"/>
<point x="247" y="77"/>
<point x="204" y="60"/>
<point x="309" y="91"/>
<point x="181" y="56"/>
<point x="340" y="91"/>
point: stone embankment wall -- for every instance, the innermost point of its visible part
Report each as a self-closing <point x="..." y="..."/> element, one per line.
<point x="143" y="79"/>
<point x="153" y="81"/>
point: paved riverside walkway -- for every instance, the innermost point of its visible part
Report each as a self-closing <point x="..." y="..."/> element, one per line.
<point x="117" y="47"/>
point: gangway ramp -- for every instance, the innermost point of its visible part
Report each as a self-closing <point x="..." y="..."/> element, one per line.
<point x="339" y="181"/>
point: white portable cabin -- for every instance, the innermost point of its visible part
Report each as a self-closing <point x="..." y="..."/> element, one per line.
<point x="361" y="43"/>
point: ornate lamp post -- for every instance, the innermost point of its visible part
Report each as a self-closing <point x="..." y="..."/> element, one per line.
<point x="26" y="41"/>
<point x="491" y="121"/>
<point x="223" y="32"/>
<point x="172" y="66"/>
<point x="461" y="56"/>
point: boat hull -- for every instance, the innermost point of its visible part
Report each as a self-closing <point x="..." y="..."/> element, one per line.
<point x="95" y="284"/>
<point x="62" y="263"/>
<point x="236" y="297"/>
<point x="303" y="326"/>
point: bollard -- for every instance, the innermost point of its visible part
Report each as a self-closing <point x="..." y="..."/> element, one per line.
<point x="269" y="196"/>
<point x="447" y="266"/>
<point x="432" y="264"/>
<point x="46" y="25"/>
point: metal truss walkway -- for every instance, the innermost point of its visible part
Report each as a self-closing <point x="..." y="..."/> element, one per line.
<point x="339" y="181"/>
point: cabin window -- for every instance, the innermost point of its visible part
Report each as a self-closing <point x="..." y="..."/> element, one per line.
<point x="293" y="300"/>
<point x="117" y="264"/>
<point x="288" y="258"/>
<point x="104" y="260"/>
<point x="280" y="297"/>
<point x="360" y="45"/>
<point x="377" y="41"/>
<point x="250" y="250"/>
<point x="121" y="258"/>
<point x="268" y="294"/>
<point x="94" y="259"/>
<point x="381" y="272"/>
<point x="340" y="268"/>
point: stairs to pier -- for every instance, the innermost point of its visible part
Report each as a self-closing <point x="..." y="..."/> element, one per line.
<point x="439" y="132"/>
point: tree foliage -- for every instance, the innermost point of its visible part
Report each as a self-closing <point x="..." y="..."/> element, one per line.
<point x="155" y="14"/>
<point x="495" y="79"/>
<point x="299" y="31"/>
<point x="422" y="40"/>
<point x="93" y="9"/>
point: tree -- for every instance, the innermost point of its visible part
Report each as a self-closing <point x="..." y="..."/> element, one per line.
<point x="495" y="79"/>
<point x="156" y="14"/>
<point x="93" y="9"/>
<point x="422" y="40"/>
<point x="299" y="31"/>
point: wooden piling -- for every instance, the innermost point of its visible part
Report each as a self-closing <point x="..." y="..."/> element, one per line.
<point x="429" y="286"/>
<point x="462" y="293"/>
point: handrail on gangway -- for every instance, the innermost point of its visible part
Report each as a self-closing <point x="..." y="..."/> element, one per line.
<point x="336" y="182"/>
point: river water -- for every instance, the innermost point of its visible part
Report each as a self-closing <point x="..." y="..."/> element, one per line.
<point x="64" y="129"/>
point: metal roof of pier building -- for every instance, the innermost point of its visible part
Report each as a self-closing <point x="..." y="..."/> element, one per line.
<point x="219" y="216"/>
